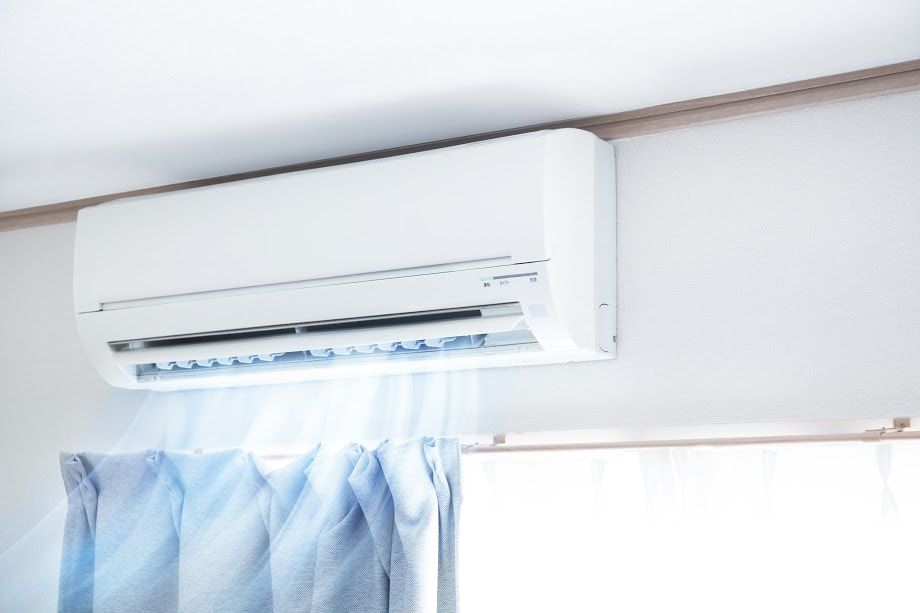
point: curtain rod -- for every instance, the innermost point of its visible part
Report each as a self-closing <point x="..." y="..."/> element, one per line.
<point x="900" y="430"/>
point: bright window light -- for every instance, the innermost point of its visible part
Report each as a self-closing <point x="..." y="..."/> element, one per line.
<point x="784" y="528"/>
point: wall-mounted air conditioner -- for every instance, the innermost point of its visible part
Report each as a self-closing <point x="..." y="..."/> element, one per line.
<point x="495" y="253"/>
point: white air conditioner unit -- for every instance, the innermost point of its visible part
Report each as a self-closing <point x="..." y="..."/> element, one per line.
<point x="495" y="253"/>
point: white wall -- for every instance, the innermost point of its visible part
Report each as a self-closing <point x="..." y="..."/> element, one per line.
<point x="769" y="270"/>
<point x="158" y="93"/>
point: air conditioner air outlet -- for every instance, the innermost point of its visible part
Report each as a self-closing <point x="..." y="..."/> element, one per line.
<point x="442" y="348"/>
<point x="480" y="319"/>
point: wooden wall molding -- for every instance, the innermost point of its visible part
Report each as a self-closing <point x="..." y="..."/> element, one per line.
<point x="878" y="81"/>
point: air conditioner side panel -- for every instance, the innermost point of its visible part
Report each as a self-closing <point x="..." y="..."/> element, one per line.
<point x="605" y="248"/>
<point x="580" y="234"/>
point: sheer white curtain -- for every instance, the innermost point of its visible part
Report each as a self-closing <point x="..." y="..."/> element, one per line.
<point x="784" y="528"/>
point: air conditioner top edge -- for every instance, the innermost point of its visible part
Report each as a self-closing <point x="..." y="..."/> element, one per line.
<point x="334" y="165"/>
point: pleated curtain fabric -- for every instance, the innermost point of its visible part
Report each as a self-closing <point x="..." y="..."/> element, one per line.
<point x="351" y="529"/>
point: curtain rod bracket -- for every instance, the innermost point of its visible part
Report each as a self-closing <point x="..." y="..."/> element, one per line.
<point x="899" y="424"/>
<point x="498" y="440"/>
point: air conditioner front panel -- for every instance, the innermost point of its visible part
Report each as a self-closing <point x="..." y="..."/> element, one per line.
<point x="457" y="208"/>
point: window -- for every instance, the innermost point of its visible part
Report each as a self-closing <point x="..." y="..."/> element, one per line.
<point x="785" y="528"/>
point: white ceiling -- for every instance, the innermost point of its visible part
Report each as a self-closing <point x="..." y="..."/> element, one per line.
<point x="98" y="97"/>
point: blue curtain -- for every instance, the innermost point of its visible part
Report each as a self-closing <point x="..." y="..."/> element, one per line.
<point x="351" y="529"/>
